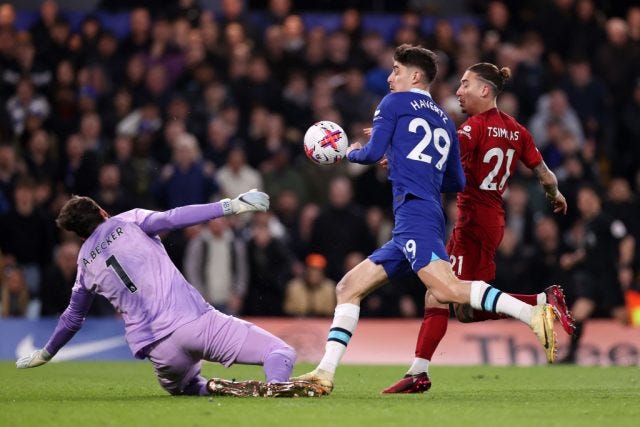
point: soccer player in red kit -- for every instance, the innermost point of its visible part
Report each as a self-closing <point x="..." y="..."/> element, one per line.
<point x="491" y="143"/>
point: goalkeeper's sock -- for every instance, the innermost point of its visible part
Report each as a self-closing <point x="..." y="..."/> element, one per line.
<point x="432" y="330"/>
<point x="278" y="364"/>
<point x="344" y="323"/>
<point x="487" y="298"/>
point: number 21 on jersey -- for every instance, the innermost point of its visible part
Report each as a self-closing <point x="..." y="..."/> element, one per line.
<point x="489" y="182"/>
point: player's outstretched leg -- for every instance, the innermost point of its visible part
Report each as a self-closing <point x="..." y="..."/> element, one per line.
<point x="539" y="318"/>
<point x="254" y="388"/>
<point x="555" y="298"/>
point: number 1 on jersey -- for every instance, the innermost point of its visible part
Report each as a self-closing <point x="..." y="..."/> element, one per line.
<point x="126" y="280"/>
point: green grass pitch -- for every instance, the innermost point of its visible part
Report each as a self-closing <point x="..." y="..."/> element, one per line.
<point x="126" y="394"/>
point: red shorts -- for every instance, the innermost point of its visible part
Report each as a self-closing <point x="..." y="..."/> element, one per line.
<point x="472" y="249"/>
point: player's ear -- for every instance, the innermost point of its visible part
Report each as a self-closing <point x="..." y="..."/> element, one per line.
<point x="416" y="76"/>
<point x="486" y="91"/>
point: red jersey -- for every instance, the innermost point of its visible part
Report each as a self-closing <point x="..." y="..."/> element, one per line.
<point x="491" y="143"/>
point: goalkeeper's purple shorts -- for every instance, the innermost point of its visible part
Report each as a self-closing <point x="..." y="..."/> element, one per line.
<point x="215" y="337"/>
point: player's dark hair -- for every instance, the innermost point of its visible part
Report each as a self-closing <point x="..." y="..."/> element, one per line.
<point x="418" y="56"/>
<point x="489" y="72"/>
<point x="81" y="215"/>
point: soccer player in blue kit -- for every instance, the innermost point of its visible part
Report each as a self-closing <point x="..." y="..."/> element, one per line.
<point x="166" y="320"/>
<point x="421" y="145"/>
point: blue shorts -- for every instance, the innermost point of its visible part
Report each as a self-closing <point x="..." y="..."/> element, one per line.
<point x="418" y="238"/>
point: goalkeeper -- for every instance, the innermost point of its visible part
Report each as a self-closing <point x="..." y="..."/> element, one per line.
<point x="166" y="320"/>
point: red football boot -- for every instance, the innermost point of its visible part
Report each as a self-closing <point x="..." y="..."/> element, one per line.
<point x="410" y="384"/>
<point x="555" y="298"/>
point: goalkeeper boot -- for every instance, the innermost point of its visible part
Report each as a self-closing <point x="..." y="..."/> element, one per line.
<point x="319" y="377"/>
<point x="293" y="389"/>
<point x="222" y="387"/>
<point x="410" y="384"/>
<point x="542" y="317"/>
<point x="555" y="298"/>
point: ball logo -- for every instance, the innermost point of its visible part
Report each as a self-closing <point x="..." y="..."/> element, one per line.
<point x="467" y="128"/>
<point x="325" y="143"/>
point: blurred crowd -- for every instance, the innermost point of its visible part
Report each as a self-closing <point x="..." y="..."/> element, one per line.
<point x="192" y="105"/>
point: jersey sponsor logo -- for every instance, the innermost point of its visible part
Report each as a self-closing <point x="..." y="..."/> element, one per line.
<point x="466" y="131"/>
<point x="511" y="135"/>
<point x="376" y="115"/>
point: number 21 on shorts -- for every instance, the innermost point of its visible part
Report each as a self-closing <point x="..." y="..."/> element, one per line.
<point x="456" y="264"/>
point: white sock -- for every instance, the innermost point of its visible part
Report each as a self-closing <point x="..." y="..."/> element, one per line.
<point x="542" y="298"/>
<point x="487" y="298"/>
<point x="344" y="323"/>
<point x="418" y="366"/>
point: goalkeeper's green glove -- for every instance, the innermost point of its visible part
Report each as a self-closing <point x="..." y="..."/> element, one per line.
<point x="36" y="358"/>
<point x="250" y="201"/>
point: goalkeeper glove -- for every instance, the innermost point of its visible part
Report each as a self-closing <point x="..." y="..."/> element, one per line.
<point x="36" y="358"/>
<point x="250" y="201"/>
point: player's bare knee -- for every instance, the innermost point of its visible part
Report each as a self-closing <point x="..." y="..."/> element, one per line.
<point x="442" y="294"/>
<point x="346" y="292"/>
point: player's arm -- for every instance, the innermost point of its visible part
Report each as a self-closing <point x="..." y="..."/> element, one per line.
<point x="69" y="323"/>
<point x="185" y="216"/>
<point x="549" y="182"/>
<point x="453" y="179"/>
<point x="384" y="121"/>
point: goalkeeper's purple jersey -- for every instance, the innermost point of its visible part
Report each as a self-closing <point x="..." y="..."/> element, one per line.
<point x="125" y="261"/>
<point x="134" y="272"/>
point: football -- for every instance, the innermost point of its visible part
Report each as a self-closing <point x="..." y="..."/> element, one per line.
<point x="325" y="143"/>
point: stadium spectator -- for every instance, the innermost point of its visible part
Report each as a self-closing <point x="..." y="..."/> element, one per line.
<point x="215" y="263"/>
<point x="270" y="267"/>
<point x="236" y="176"/>
<point x="340" y="228"/>
<point x="313" y="294"/>
<point x="25" y="103"/>
<point x="14" y="295"/>
<point x="26" y="236"/>
<point x="58" y="279"/>
<point x="48" y="13"/>
<point x="111" y="195"/>
<point x="79" y="170"/>
<point x="187" y="179"/>
<point x="553" y="107"/>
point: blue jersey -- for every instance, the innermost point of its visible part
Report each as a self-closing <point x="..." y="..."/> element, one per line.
<point x="421" y="144"/>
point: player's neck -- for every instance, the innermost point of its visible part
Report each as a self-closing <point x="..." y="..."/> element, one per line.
<point x="420" y="89"/>
<point x="482" y="108"/>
